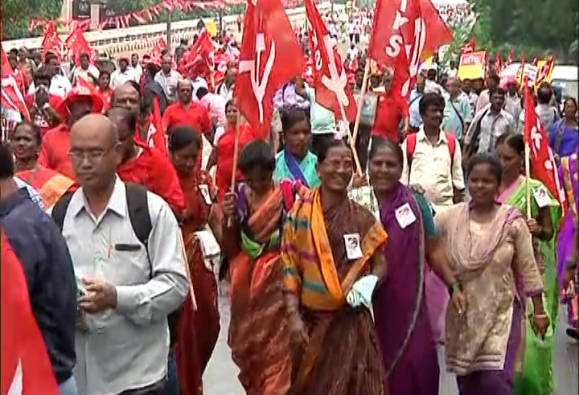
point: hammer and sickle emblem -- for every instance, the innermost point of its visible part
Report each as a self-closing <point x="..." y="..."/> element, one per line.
<point x="252" y="66"/>
<point x="336" y="82"/>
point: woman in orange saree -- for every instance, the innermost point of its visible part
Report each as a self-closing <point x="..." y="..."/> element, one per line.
<point x="331" y="252"/>
<point x="253" y="218"/>
<point x="198" y="328"/>
<point x="51" y="185"/>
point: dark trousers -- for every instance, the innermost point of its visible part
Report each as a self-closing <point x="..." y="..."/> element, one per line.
<point x="153" y="389"/>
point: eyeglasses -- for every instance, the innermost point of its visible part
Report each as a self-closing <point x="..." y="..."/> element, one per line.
<point x="94" y="156"/>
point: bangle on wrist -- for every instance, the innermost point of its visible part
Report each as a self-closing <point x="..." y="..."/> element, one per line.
<point x="544" y="315"/>
<point x="455" y="286"/>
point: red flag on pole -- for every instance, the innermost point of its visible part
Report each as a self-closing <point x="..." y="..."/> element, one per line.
<point x="198" y="61"/>
<point x="330" y="80"/>
<point x="509" y="59"/>
<point x="11" y="96"/>
<point x="543" y="163"/>
<point x="469" y="47"/>
<point x="51" y="41"/>
<point x="77" y="44"/>
<point x="270" y="56"/>
<point x="498" y="63"/>
<point x="26" y="369"/>
<point x="402" y="33"/>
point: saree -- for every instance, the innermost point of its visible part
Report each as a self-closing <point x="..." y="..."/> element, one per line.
<point x="537" y="374"/>
<point x="258" y="330"/>
<point x="342" y="356"/>
<point x="50" y="184"/>
<point x="402" y="322"/>
<point x="495" y="265"/>
<point x="198" y="326"/>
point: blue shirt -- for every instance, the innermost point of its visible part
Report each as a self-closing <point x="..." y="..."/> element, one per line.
<point x="47" y="265"/>
<point x="307" y="166"/>
<point x="569" y="138"/>
<point x="32" y="193"/>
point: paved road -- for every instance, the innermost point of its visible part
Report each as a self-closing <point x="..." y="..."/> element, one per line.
<point x="220" y="376"/>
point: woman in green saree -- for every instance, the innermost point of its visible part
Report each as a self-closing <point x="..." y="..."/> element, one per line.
<point x="536" y="376"/>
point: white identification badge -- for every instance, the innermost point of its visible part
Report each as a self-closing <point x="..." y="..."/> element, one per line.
<point x="541" y="197"/>
<point x="353" y="249"/>
<point x="404" y="215"/>
<point x="205" y="192"/>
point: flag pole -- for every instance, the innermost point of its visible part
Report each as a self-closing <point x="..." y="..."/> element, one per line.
<point x="235" y="158"/>
<point x="352" y="142"/>
<point x="361" y="100"/>
<point x="527" y="179"/>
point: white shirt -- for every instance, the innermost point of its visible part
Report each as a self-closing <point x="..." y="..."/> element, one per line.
<point x="118" y="78"/>
<point x="137" y="71"/>
<point x="125" y="348"/>
<point x="84" y="73"/>
<point x="60" y="86"/>
<point x="432" y="169"/>
<point x="169" y="83"/>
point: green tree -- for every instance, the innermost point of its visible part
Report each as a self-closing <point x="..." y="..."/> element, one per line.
<point x="17" y="13"/>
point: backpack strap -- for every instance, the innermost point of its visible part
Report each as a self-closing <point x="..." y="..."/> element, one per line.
<point x="139" y="216"/>
<point x="60" y="208"/>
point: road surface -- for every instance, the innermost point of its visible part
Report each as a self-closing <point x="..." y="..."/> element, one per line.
<point x="221" y="374"/>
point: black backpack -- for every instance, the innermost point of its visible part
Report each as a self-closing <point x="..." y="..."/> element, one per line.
<point x="138" y="212"/>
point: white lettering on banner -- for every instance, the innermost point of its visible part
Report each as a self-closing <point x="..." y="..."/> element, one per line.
<point x="317" y="54"/>
<point x="536" y="138"/>
<point x="16" y="386"/>
<point x="393" y="49"/>
<point x="252" y="66"/>
<point x="336" y="83"/>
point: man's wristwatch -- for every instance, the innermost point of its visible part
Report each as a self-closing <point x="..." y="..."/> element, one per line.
<point x="455" y="286"/>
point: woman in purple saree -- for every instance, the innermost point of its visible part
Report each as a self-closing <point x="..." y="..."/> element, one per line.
<point x="402" y="324"/>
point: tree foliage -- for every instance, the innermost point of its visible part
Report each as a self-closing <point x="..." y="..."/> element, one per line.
<point x="536" y="27"/>
<point x="17" y="13"/>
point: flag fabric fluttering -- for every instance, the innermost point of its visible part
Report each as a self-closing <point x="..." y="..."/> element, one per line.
<point x="77" y="43"/>
<point x="403" y="33"/>
<point x="200" y="59"/>
<point x="329" y="76"/>
<point x="26" y="369"/>
<point x="270" y="56"/>
<point x="543" y="166"/>
<point x="544" y="72"/>
<point x="510" y="56"/>
<point x="498" y="63"/>
<point x="11" y="97"/>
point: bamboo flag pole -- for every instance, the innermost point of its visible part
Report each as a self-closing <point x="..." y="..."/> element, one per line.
<point x="361" y="101"/>
<point x="235" y="159"/>
<point x="352" y="142"/>
<point x="527" y="179"/>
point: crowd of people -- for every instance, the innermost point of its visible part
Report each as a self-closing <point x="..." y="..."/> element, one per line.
<point x="117" y="199"/>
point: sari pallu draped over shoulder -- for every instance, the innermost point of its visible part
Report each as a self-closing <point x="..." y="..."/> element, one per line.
<point x="198" y="325"/>
<point x="50" y="184"/>
<point x="258" y="332"/>
<point x="342" y="356"/>
<point x="402" y="324"/>
<point x="536" y="376"/>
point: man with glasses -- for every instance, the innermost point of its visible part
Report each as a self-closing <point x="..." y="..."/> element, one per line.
<point x="127" y="284"/>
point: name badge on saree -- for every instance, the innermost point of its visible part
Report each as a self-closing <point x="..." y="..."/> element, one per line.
<point x="205" y="192"/>
<point x="352" y="243"/>
<point x="404" y="215"/>
<point x="541" y="197"/>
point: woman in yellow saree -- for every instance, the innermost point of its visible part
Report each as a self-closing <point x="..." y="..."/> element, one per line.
<point x="253" y="219"/>
<point x="332" y="260"/>
<point x="50" y="184"/>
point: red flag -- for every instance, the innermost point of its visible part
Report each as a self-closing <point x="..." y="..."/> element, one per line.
<point x="199" y="61"/>
<point x="77" y="44"/>
<point x="509" y="59"/>
<point x="270" y="56"/>
<point x="51" y="41"/>
<point x="168" y="4"/>
<point x="543" y="164"/>
<point x="26" y="369"/>
<point x="469" y="47"/>
<point x="7" y="70"/>
<point x="545" y="71"/>
<point x="139" y="17"/>
<point x="330" y="80"/>
<point x="498" y="63"/>
<point x="403" y="32"/>
<point x="11" y="96"/>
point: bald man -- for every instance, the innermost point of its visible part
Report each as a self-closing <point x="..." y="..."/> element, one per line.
<point x="143" y="164"/>
<point x="167" y="78"/>
<point x="127" y="287"/>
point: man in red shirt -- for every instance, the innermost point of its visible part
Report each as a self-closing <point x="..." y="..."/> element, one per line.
<point x="79" y="102"/>
<point x="186" y="112"/>
<point x="391" y="109"/>
<point x="143" y="164"/>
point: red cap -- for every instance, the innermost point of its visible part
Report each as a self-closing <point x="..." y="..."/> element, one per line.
<point x="76" y="93"/>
